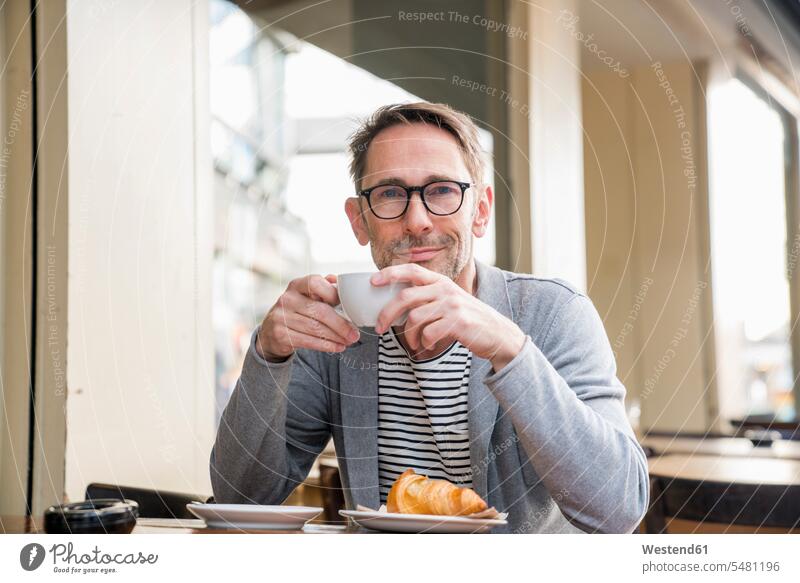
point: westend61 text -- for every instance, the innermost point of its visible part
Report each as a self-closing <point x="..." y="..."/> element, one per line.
<point x="675" y="550"/>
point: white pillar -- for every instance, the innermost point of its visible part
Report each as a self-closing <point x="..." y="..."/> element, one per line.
<point x="141" y="366"/>
<point x="556" y="151"/>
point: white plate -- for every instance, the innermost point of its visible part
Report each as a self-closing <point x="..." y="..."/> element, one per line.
<point x="254" y="516"/>
<point x="395" y="522"/>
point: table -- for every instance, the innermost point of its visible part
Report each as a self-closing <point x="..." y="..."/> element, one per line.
<point x="27" y="525"/>
<point x="722" y="446"/>
<point x="718" y="468"/>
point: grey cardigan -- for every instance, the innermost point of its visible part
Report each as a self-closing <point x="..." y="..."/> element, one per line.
<point x="549" y="439"/>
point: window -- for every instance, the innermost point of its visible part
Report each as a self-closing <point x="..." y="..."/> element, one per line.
<point x="282" y="110"/>
<point x="749" y="254"/>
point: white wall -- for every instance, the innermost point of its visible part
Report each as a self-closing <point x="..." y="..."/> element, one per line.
<point x="647" y="234"/>
<point x="140" y="355"/>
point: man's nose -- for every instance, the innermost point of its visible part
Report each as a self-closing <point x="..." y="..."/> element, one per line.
<point x="417" y="219"/>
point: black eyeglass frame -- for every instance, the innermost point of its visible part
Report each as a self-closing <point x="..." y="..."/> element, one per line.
<point x="410" y="190"/>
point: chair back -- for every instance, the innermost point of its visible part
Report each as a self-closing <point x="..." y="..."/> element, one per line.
<point x="152" y="503"/>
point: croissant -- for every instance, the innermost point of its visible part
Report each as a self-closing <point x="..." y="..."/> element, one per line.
<point x="412" y="493"/>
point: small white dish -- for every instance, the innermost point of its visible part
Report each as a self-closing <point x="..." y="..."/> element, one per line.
<point x="421" y="523"/>
<point x="254" y="516"/>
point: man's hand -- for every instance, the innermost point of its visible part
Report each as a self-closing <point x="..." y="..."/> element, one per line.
<point x="303" y="317"/>
<point x="438" y="309"/>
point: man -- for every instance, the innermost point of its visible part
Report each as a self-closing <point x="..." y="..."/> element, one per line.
<point x="502" y="382"/>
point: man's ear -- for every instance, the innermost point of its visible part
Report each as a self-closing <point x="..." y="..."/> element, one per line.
<point x="483" y="212"/>
<point x="358" y="222"/>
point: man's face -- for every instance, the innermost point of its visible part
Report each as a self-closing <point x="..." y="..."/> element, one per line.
<point x="413" y="155"/>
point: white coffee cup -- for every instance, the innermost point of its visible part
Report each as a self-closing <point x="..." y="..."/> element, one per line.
<point x="362" y="302"/>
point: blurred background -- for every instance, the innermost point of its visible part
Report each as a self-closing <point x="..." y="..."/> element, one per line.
<point x="166" y="169"/>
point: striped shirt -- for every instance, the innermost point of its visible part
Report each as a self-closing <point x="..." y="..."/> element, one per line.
<point x="422" y="414"/>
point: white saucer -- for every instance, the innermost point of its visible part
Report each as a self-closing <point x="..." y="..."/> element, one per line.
<point x="421" y="523"/>
<point x="254" y="516"/>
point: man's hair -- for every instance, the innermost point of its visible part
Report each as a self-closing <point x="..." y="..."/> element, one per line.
<point x="443" y="116"/>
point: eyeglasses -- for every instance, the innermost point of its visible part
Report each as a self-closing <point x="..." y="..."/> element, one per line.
<point x="441" y="198"/>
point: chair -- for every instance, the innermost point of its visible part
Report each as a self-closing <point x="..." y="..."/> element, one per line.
<point x="787" y="429"/>
<point x="332" y="495"/>
<point x="152" y="503"/>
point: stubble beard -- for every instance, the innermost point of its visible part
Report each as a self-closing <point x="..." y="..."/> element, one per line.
<point x="450" y="262"/>
<point x="457" y="252"/>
